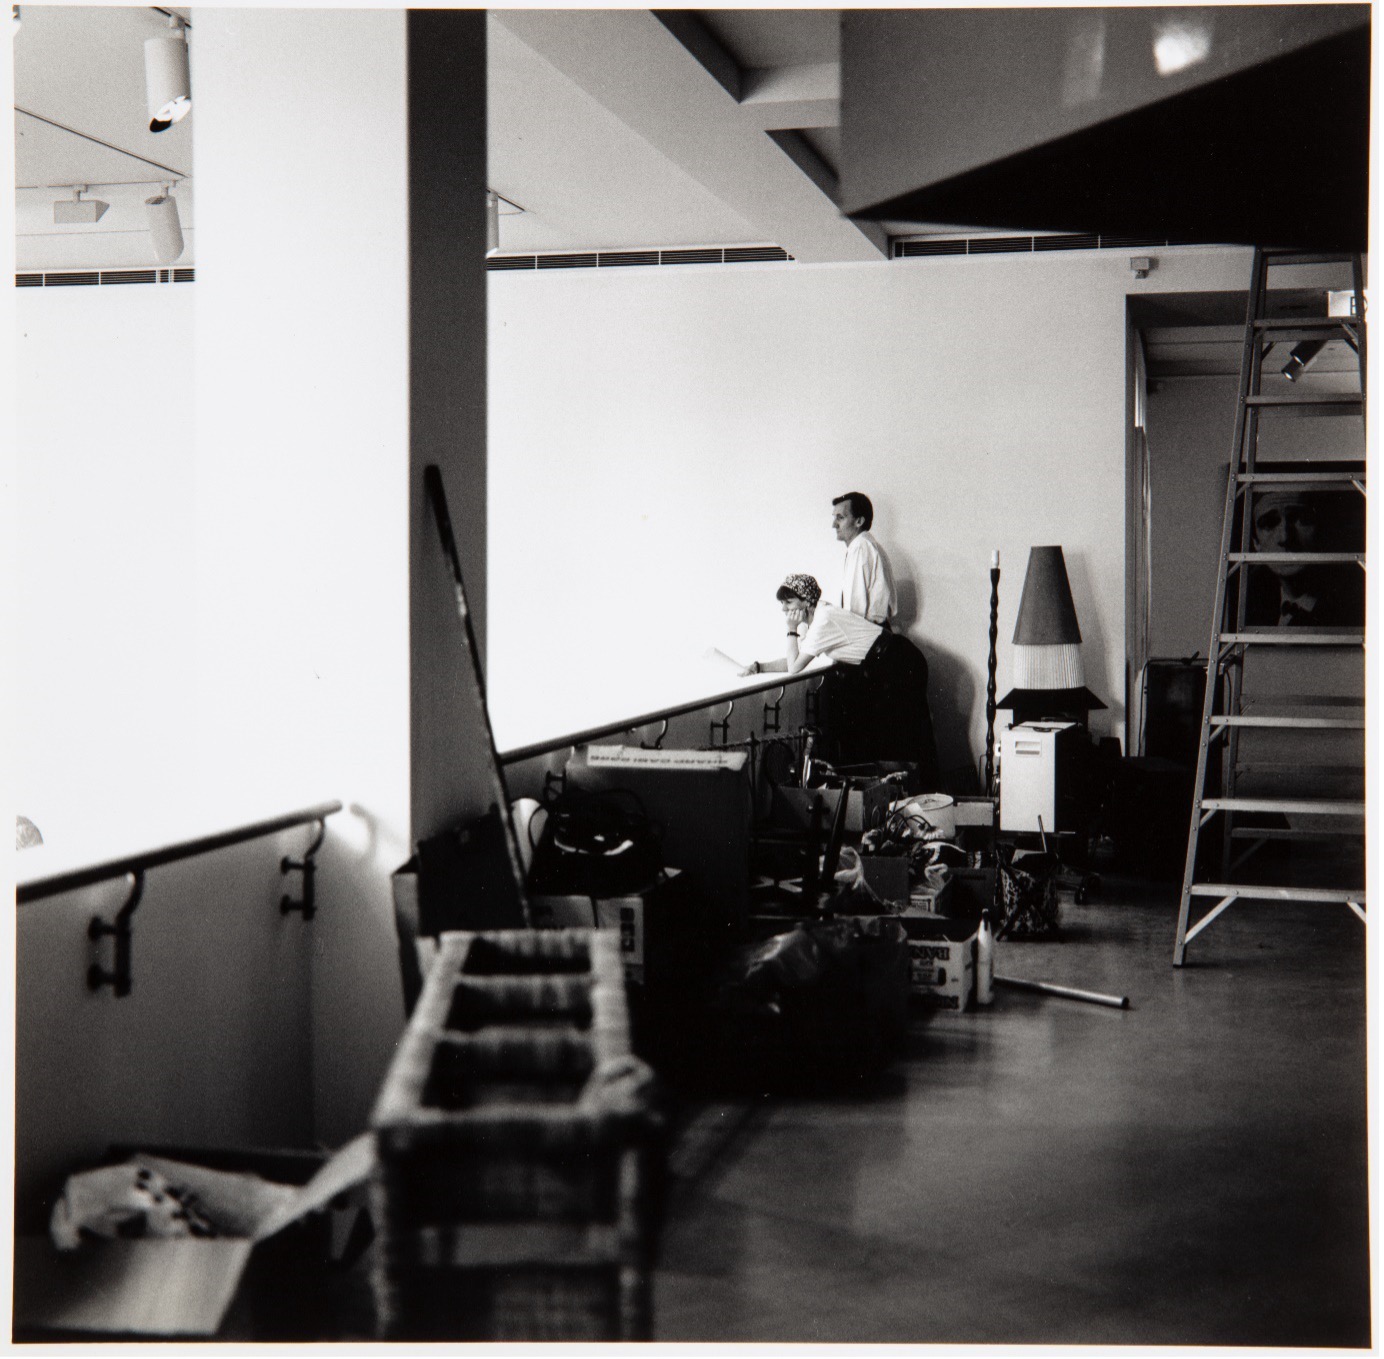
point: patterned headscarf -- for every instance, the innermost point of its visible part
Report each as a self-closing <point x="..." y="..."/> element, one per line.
<point x="805" y="587"/>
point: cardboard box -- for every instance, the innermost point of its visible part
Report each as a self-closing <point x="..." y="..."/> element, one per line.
<point x="941" y="955"/>
<point x="172" y="1287"/>
<point x="865" y="809"/>
<point x="649" y="922"/>
<point x="924" y="899"/>
<point x="699" y="799"/>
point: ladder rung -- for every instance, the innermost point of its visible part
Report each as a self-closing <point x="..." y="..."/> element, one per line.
<point x="1307" y="403"/>
<point x="1304" y="806"/>
<point x="1307" y="323"/>
<point x="1292" y="723"/>
<point x="1287" y="833"/>
<point x="1274" y="255"/>
<point x="1243" y="890"/>
<point x="1301" y="558"/>
<point x="1308" y="701"/>
<point x="1294" y="637"/>
<point x="1299" y="478"/>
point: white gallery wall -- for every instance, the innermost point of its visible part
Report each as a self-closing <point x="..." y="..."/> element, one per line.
<point x="665" y="444"/>
<point x="302" y="492"/>
<point x="211" y="495"/>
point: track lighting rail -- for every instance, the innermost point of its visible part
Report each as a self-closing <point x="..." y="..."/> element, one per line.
<point x="168" y="170"/>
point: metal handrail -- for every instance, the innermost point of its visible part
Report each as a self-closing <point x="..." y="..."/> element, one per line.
<point x="57" y="883"/>
<point x="770" y="680"/>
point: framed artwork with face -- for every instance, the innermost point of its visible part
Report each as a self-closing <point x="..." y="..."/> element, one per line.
<point x="1287" y="521"/>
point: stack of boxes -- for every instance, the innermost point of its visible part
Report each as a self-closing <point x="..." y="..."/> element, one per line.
<point x="514" y="1148"/>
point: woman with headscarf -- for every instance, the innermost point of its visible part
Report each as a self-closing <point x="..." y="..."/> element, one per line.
<point x="877" y="706"/>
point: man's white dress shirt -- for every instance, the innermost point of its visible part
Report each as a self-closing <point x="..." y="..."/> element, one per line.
<point x="867" y="584"/>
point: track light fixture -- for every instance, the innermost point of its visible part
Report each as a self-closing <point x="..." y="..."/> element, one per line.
<point x="167" y="81"/>
<point x="492" y="221"/>
<point x="78" y="211"/>
<point x="1301" y="357"/>
<point x="497" y="206"/>
<point x="165" y="229"/>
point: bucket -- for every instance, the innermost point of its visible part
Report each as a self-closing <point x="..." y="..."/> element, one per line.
<point x="937" y="808"/>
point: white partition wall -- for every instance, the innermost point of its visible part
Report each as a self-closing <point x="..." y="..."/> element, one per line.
<point x="302" y="403"/>
<point x="665" y="444"/>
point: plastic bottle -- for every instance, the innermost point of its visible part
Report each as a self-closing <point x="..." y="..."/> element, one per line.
<point x="985" y="961"/>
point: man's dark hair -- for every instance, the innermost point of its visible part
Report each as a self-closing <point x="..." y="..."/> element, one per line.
<point x="859" y="506"/>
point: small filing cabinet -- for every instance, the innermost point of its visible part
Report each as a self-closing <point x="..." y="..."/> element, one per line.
<point x="1037" y="766"/>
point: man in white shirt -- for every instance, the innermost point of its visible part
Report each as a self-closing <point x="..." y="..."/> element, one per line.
<point x="867" y="583"/>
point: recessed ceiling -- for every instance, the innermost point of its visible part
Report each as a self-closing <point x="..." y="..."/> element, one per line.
<point x="585" y="179"/>
<point x="777" y="37"/>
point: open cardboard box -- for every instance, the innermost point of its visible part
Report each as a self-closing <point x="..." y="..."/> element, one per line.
<point x="178" y="1287"/>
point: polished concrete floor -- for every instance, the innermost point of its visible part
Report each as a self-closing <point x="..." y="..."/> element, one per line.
<point x="1190" y="1171"/>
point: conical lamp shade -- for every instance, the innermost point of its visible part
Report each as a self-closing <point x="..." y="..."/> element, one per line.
<point x="1047" y="616"/>
<point x="1047" y="643"/>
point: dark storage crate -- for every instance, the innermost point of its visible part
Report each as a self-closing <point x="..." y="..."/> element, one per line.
<point x="514" y="1146"/>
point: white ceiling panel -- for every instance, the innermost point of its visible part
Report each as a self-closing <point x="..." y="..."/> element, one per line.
<point x="83" y="66"/>
<point x="585" y="180"/>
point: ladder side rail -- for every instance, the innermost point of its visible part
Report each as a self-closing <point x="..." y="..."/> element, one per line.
<point x="1256" y="349"/>
<point x="1208" y="711"/>
<point x="1213" y="646"/>
<point x="1357" y="273"/>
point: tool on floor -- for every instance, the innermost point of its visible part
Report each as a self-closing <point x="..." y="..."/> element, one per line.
<point x="1285" y="662"/>
<point x="1067" y="992"/>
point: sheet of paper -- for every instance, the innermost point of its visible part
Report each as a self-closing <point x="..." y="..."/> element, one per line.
<point x="347" y="1167"/>
<point x="636" y="757"/>
<point x="719" y="657"/>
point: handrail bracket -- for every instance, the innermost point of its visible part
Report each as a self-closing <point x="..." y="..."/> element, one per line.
<point x="119" y="978"/>
<point x="305" y="866"/>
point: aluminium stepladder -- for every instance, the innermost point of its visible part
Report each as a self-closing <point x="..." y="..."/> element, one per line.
<point x="1241" y="642"/>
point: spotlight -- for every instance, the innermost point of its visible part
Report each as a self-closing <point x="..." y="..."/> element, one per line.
<point x="78" y="211"/>
<point x="164" y="227"/>
<point x="166" y="79"/>
<point x="1300" y="358"/>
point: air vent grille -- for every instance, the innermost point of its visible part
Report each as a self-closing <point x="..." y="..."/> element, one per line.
<point x="1066" y="243"/>
<point x="1002" y="245"/>
<point x="626" y="259"/>
<point x="91" y="278"/>
<point x="128" y="276"/>
<point x="1130" y="242"/>
<point x="904" y="249"/>
<point x="760" y="254"/>
<point x="1009" y="245"/>
<point x="692" y="256"/>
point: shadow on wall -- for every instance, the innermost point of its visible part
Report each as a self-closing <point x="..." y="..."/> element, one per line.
<point x="906" y="597"/>
<point x="358" y="1006"/>
<point x="952" y="695"/>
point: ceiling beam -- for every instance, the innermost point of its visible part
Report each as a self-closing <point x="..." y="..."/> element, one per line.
<point x="648" y="77"/>
<point x="807" y="95"/>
